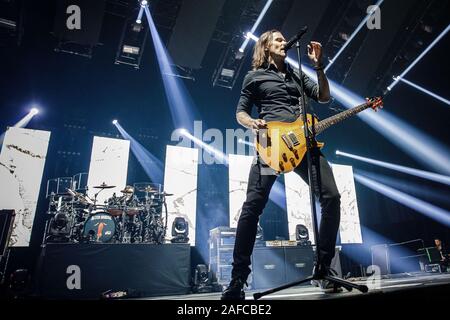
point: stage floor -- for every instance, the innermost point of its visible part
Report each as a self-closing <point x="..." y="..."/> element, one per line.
<point x="411" y="284"/>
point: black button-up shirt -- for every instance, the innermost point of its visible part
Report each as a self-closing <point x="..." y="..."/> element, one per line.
<point x="275" y="96"/>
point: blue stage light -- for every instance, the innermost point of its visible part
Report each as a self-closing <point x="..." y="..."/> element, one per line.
<point x="433" y="212"/>
<point x="255" y="25"/>
<point x="360" y="26"/>
<point x="434" y="95"/>
<point x="152" y="166"/>
<point x="181" y="106"/>
<point x="408" y="186"/>
<point x="415" y="172"/>
<point x="397" y="79"/>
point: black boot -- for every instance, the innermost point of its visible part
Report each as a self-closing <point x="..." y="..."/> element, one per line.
<point x="325" y="286"/>
<point x="235" y="290"/>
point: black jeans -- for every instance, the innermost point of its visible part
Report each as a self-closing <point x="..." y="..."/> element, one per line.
<point x="258" y="190"/>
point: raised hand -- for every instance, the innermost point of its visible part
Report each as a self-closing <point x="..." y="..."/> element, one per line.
<point x="315" y="53"/>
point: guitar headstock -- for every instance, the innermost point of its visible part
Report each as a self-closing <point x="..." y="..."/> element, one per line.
<point x="375" y="103"/>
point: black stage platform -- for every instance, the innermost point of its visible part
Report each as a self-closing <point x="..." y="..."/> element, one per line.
<point x="85" y="271"/>
<point x="424" y="286"/>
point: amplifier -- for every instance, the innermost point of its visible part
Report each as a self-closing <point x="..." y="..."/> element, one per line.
<point x="268" y="269"/>
<point x="274" y="266"/>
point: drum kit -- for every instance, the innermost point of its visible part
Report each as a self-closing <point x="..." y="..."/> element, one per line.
<point x="134" y="216"/>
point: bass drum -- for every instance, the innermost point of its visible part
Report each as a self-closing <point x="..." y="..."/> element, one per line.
<point x="100" y="227"/>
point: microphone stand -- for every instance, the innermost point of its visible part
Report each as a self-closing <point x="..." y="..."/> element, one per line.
<point x="313" y="178"/>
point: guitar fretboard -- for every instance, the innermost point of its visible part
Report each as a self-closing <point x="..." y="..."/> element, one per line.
<point x="328" y="122"/>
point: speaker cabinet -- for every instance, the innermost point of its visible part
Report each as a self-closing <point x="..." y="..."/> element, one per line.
<point x="275" y="266"/>
<point x="268" y="267"/>
<point x="299" y="262"/>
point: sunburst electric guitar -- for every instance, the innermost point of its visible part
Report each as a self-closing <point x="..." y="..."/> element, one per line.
<point x="282" y="145"/>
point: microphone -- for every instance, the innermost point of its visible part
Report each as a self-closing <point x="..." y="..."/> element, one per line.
<point x="295" y="38"/>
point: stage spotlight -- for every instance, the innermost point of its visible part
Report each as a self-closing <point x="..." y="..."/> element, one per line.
<point x="22" y="123"/>
<point x="19" y="283"/>
<point x="183" y="131"/>
<point x="302" y="235"/>
<point x="202" y="279"/>
<point x="415" y="172"/>
<point x="139" y="17"/>
<point x="114" y="122"/>
<point x="144" y="3"/>
<point x="180" y="230"/>
<point x="59" y="229"/>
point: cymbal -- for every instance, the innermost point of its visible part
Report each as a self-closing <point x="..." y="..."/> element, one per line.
<point x="104" y="186"/>
<point x="149" y="189"/>
<point x="167" y="194"/>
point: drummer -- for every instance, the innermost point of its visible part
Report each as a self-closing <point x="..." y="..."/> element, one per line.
<point x="128" y="193"/>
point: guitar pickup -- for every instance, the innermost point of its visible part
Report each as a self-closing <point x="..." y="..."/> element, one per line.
<point x="293" y="138"/>
<point x="288" y="141"/>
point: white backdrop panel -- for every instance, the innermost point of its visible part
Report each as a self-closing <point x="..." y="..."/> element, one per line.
<point x="298" y="204"/>
<point x="109" y="164"/>
<point x="299" y="209"/>
<point x="239" y="169"/>
<point x="180" y="178"/>
<point x="22" y="161"/>
<point x="350" y="227"/>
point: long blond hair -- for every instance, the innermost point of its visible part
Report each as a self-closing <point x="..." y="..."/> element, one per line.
<point x="260" y="54"/>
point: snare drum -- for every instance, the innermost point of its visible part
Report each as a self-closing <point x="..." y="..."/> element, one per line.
<point x="132" y="211"/>
<point x="115" y="211"/>
<point x="100" y="227"/>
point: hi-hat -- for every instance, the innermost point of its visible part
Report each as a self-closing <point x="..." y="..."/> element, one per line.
<point x="104" y="186"/>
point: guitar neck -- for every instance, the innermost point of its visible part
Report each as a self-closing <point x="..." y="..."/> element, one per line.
<point x="328" y="122"/>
